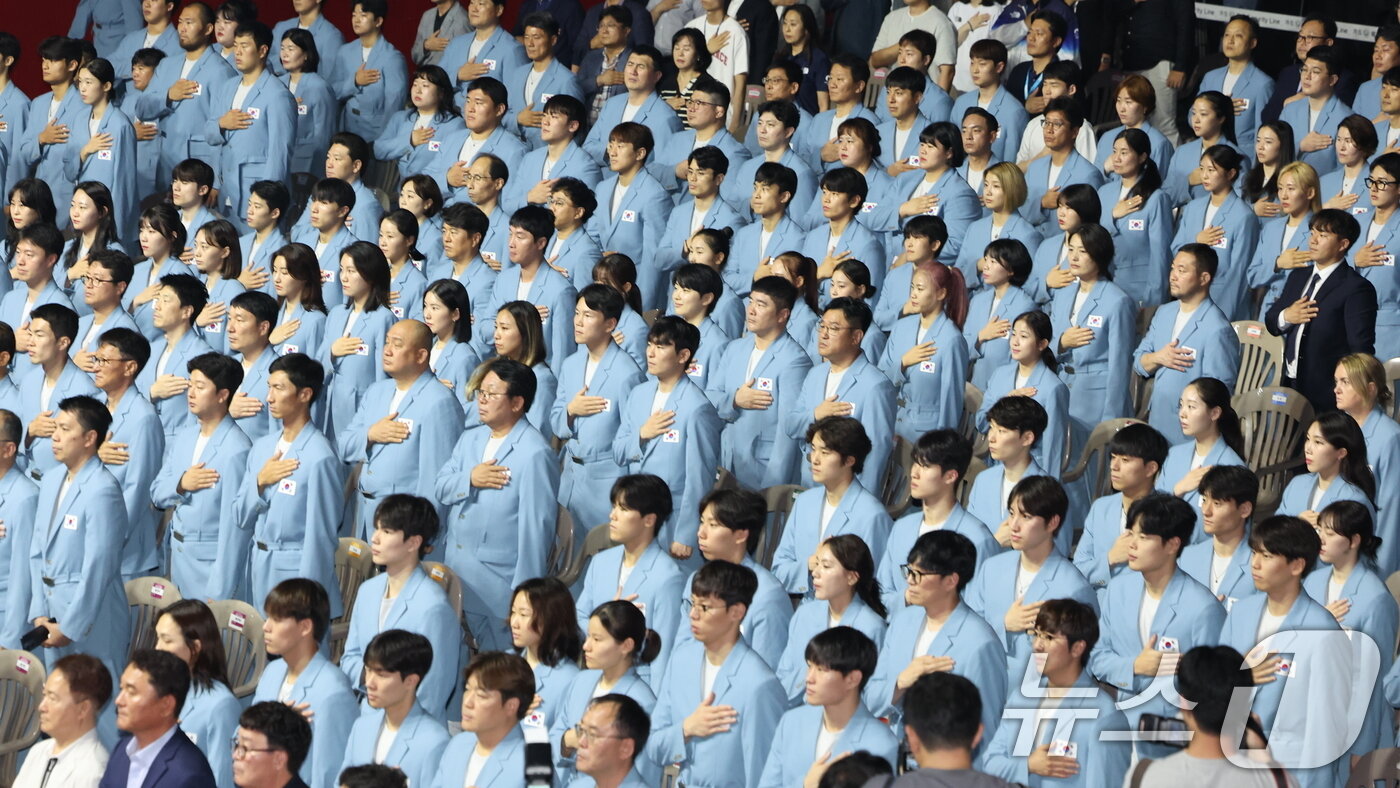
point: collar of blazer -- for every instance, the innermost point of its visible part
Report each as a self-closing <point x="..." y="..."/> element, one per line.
<point x="1334" y="280"/>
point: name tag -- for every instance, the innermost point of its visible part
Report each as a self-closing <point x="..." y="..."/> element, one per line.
<point x="434" y="146"/>
<point x="1064" y="749"/>
<point x="254" y="112"/>
<point x="157" y="591"/>
<point x="671" y="436"/>
<point x="763" y="384"/>
<point x="236" y="620"/>
<point x="1168" y="645"/>
<point x="104" y="155"/>
<point x="490" y="64"/>
<point x="629" y="216"/>
<point x="22" y="664"/>
<point x="1094" y="321"/>
<point x="1244" y="103"/>
<point x="928" y="366"/>
<point x="1222" y="243"/>
<point x="695" y="369"/>
<point x="198" y="89"/>
<point x="607" y="405"/>
<point x="1254" y="331"/>
<point x="287" y="487"/>
<point x="70" y="522"/>
<point x="1189" y="351"/>
<point x="407" y="423"/>
<point x="1230" y="602"/>
<point x="302" y="109"/>
<point x="1137" y="225"/>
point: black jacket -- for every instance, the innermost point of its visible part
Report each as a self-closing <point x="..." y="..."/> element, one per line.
<point x="1345" y="323"/>
<point x="1156" y="30"/>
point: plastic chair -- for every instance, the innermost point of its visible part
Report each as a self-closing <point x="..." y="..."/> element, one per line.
<point x="1091" y="461"/>
<point x="967" y="422"/>
<point x="650" y="316"/>
<point x="1392" y="379"/>
<point x="147" y="596"/>
<point x="895" y="494"/>
<point x="724" y="480"/>
<point x="779" y="500"/>
<point x="562" y="553"/>
<point x="974" y="467"/>
<point x="353" y="566"/>
<point x="241" y="628"/>
<point x="1274" y="421"/>
<point x="753" y="97"/>
<point x="875" y="87"/>
<point x="451" y="584"/>
<point x="1376" y="767"/>
<point x="21" y="688"/>
<point x="1261" y="356"/>
<point x="594" y="543"/>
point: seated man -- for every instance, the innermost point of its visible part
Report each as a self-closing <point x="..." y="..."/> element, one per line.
<point x="490" y="750"/>
<point x="940" y="723"/>
<point x="403" y="597"/>
<point x="838" y="505"/>
<point x="280" y="737"/>
<point x="559" y="155"/>
<point x="397" y="731"/>
<point x="832" y="720"/>
<point x="154" y="687"/>
<point x="719" y="729"/>
<point x="634" y="208"/>
<point x="1135" y="457"/>
<point x="298" y="618"/>
<point x="1221" y="563"/>
<point x="71" y="753"/>
<point x="611" y="759"/>
<point x="1014" y="427"/>
<point x="483" y="111"/>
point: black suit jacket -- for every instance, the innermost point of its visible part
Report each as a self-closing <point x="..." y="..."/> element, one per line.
<point x="179" y="764"/>
<point x="1345" y="323"/>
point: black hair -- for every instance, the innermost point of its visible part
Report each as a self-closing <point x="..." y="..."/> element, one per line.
<point x="784" y="111"/>
<point x="629" y="717"/>
<point x="492" y="88"/>
<point x="1084" y="201"/>
<point x="732" y="584"/>
<point x="1020" y="414"/>
<point x="947" y="135"/>
<point x="623" y="620"/>
<point x="300" y="599"/>
<point x="1342" y="432"/>
<point x="372" y="266"/>
<point x="1328" y="56"/>
<point x="1012" y="255"/>
<point x="604" y="299"/>
<point x="943" y="709"/>
<point x="1041" y="496"/>
<point x="454" y="296"/>
<point x="771" y="173"/>
<point x="410" y="516"/>
<point x="571" y="108"/>
<point x="1066" y="71"/>
<point x="1140" y="441"/>
<point x="1098" y="245"/>
<point x="465" y="216"/>
<point x="1290" y="537"/>
<point x="844" y="435"/>
<point x="708" y="157"/>
<point x="856" y="311"/>
<point x="223" y="371"/>
<point x="1337" y="222"/>
<point x="407" y="226"/>
<point x="643" y="493"/>
<point x="1224" y="109"/>
<point x="616" y="270"/>
<point x="535" y="220"/>
<point x="847" y="181"/>
<point x="578" y="192"/>
<point x="275" y="194"/>
<point x="906" y="78"/>
<point x="1165" y="516"/>
<point x="303" y="371"/>
<point x="945" y="449"/>
<point x="1353" y="519"/>
<point x="188" y="290"/>
<point x="1039" y="324"/>
<point x="1203" y="258"/>
<point x="843" y="649"/>
<point x="354" y="145"/>
<point x="260" y="305"/>
<point x="372" y="775"/>
<point x="36" y="195"/>
<point x="945" y="552"/>
<point x="1255" y="187"/>
<point x="91" y="415"/>
<point x="129" y="343"/>
<point x="519" y="379"/>
<point x="1235" y="483"/>
<point x="44" y="236"/>
<point x="737" y="510"/>
<point x="703" y="280"/>
<point x="62" y="320"/>
<point x="283" y="727"/>
<point x="1215" y="394"/>
<point x="1149" y="179"/>
<point x="1208" y="676"/>
<point x="852" y="553"/>
<point x="401" y="652"/>
<point x="861" y="766"/>
<point x="993" y="124"/>
<point x="335" y="191"/>
<point x="670" y="330"/>
<point x="782" y="292"/>
<point x="168" y="674"/>
<point x="196" y="171"/>
<point x="302" y="40"/>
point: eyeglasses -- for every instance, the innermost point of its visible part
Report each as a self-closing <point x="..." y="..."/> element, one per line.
<point x="1040" y="634"/>
<point x="705" y="607"/>
<point x="241" y="750"/>
<point x="1372" y="183"/>
<point x="775" y="80"/>
<point x="915" y="576"/>
<point x="827" y="328"/>
<point x="1055" y="124"/>
<point x="92" y="280"/>
<point x="695" y="102"/>
<point x="478" y="178"/>
<point x="1302" y="37"/>
<point x="488" y="396"/>
<point x="103" y="361"/>
<point x="585" y="734"/>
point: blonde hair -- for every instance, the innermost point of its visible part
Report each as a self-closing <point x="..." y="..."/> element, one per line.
<point x="1363" y="371"/>
<point x="1306" y="178"/>
<point x="1013" y="184"/>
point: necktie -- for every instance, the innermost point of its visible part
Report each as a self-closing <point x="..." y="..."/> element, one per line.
<point x="1291" y="353"/>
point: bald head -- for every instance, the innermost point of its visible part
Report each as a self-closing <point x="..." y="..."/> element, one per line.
<point x="407" y="349"/>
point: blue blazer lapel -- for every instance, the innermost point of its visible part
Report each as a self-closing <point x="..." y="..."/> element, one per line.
<point x="1171" y="598"/>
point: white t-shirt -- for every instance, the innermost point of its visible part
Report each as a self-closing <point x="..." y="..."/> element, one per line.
<point x="1218" y="565"/>
<point x="1182" y="318"/>
<point x="658" y="401"/>
<point x="474" y="767"/>
<point x="833" y="382"/>
<point x="1211" y="210"/>
<point x="384" y="744"/>
<point x="926" y="637"/>
<point x="629" y="112"/>
<point x="285" y="693"/>
<point x="708" y="675"/>
<point x="826" y="740"/>
<point x="1228" y="86"/>
<point x="589" y="367"/>
<point x="1024" y="580"/>
<point x="493" y="445"/>
<point x="532" y="82"/>
<point x="827" y="511"/>
<point x="240" y="94"/>
<point x="470" y="148"/>
<point x="1268" y="624"/>
<point x="46" y="393"/>
<point x="200" y="441"/>
<point x="755" y="356"/>
<point x="1334" y="588"/>
<point x="1146" y="612"/>
<point x="619" y="193"/>
<point x="1289" y="229"/>
<point x="733" y="58"/>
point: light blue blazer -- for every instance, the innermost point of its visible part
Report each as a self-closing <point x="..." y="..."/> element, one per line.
<point x="1097" y="373"/>
<point x="990" y="595"/>
<point x="1297" y="496"/>
<point x="815" y="132"/>
<point x="1162" y="148"/>
<point x="977" y="654"/>
<point x="15" y="106"/>
<point x="480" y="280"/>
<point x="136" y="424"/>
<point x="1299" y="713"/>
<point x="435" y="422"/>
<point x="992" y="354"/>
<point x="1102" y="526"/>
<point x="1012" y="116"/>
<point x="1043" y="259"/>
<point x="573" y="163"/>
<point x="636" y="229"/>
<point x="408" y="285"/>
<point x="1329" y="118"/>
<point x="420" y="607"/>
<point x="1101" y="761"/>
<point x="1178" y="464"/>
<point x="333" y="701"/>
<point x="877" y="183"/>
<point x="859" y="513"/>
<point x="261" y="152"/>
<point x="1187" y="612"/>
<point x="1367" y="101"/>
<point x="18" y="498"/>
<point x="215" y="334"/>
<point x="209" y="547"/>
<point x="1217" y="355"/>
<point x="455" y="365"/>
<point x="979" y="235"/>
<point x="935" y="106"/>
<point x="754" y="446"/>
<point x="1141" y="243"/>
<point x="654" y="113"/>
<point x="589" y="463"/>
<point x="498" y="538"/>
<point x="1332" y="186"/>
<point x="75" y="564"/>
<point x="115" y="167"/>
<point x="575" y="703"/>
<point x="47" y="162"/>
<point x="294" y="522"/>
<point x="765" y="626"/>
<point x="747" y="250"/>
<point x="738" y="184"/>
<point x="417" y="748"/>
<point x="349" y="377"/>
<point x="210" y="719"/>
<point x="958" y="206"/>
<point x="1052" y="394"/>
<point x="656" y="284"/>
<point x="500" y="143"/>
<point x="362" y="223"/>
<point x="734" y="758"/>
<point x="1382" y="436"/>
<point x="119" y="318"/>
<point x="501" y="54"/>
<point x="795" y="741"/>
<point x="906" y="532"/>
<point x="1387" y="283"/>
<point x="686" y="456"/>
<point x="316" y="111"/>
<point x="556" y="80"/>
<point x="505" y="768"/>
<point x="1076" y="169"/>
<point x="328" y="40"/>
<point x="552" y="685"/>
<point x="577" y="255"/>
<point x="255" y="256"/>
<point x="147" y="151"/>
<point x="1185" y="161"/>
<point x="811" y="618"/>
<point x="174" y="410"/>
<point x="888" y="131"/>
<point x="1233" y="277"/>
<point x="549" y="289"/>
<point x="1373" y="612"/>
<point x="72" y="382"/>
<point x="144" y="315"/>
<point x="367" y="108"/>
<point x="308" y="336"/>
<point x="657" y="581"/>
<point x="873" y="398"/>
<point x="394" y="142"/>
<point x="181" y="124"/>
<point x="930" y="394"/>
<point x="1255" y="87"/>
<point x="1263" y="270"/>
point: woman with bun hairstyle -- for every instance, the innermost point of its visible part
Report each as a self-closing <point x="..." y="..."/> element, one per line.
<point x="1213" y="122"/>
<point x="845" y="594"/>
<point x="1364" y="394"/>
<point x="616" y="643"/>
<point x="617" y="271"/>
<point x="926" y="357"/>
<point x="710" y="247"/>
<point x="398" y="240"/>
<point x="1348" y="583"/>
<point x="1212" y="430"/>
<point x="1224" y="222"/>
<point x="1137" y="212"/>
<point x="802" y="272"/>
<point x="852" y="279"/>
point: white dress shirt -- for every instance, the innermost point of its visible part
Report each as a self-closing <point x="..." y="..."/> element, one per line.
<point x="80" y="765"/>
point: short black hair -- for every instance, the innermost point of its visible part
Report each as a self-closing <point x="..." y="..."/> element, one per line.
<point x="43" y="235"/>
<point x="629" y="718"/>
<point x="602" y="298"/>
<point x="300" y="599"/>
<point x="733" y="584"/>
<point x="147" y="56"/>
<point x="493" y="88"/>
<point x="708" y="157"/>
<point x="196" y="171"/>
<point x="62" y="320"/>
<point x="400" y="651"/>
<point x="1140" y="441"/>
<point x="855" y="770"/>
<point x="519" y="379"/>
<point x="189" y="291"/>
<point x="703" y="280"/>
<point x="944" y="710"/>
<point x="1058" y="27"/>
<point x="117" y="263"/>
<point x="737" y="510"/>
<point x="1203" y="257"/>
<point x="1208" y="677"/>
<point x="945" y="449"/>
<point x="947" y="135"/>
<point x="1066" y="71"/>
<point x="168" y="674"/>
<point x="1164" y="516"/>
<point x="465" y="216"/>
<point x="1071" y="618"/>
<point x="535" y="220"/>
<point x="843" y="649"/>
<point x="782" y="292"/>
<point x="354" y="145"/>
<point x="670" y="330"/>
<point x="1019" y="414"/>
<point x="906" y="78"/>
<point x="260" y="305"/>
<point x="945" y="553"/>
<point x="334" y="191"/>
<point x="1041" y="496"/>
<point x="1336" y="222"/>
<point x="275" y="194"/>
<point x="1070" y="107"/>
<point x="857" y="65"/>
<point x="131" y="344"/>
<point x="643" y="493"/>
<point x="856" y="311"/>
<point x="302" y="370"/>
<point x="372" y="775"/>
<point x="259" y="32"/>
<point x="844" y="435"/>
<point x="411" y="516"/>
<point x="848" y="181"/>
<point x="571" y="108"/>
<point x="1290" y="537"/>
<point x="284" y="728"/>
<point x="783" y="110"/>
<point x="1235" y="483"/>
<point x="223" y="371"/>
<point x="1328" y="56"/>
<point x="91" y="414"/>
<point x="580" y="193"/>
<point x="771" y="173"/>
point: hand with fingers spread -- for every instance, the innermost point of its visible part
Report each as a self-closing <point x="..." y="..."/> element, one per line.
<point x="490" y="476"/>
<point x="750" y="398"/>
<point x="657" y="424"/>
<point x="830" y="407"/>
<point x="275" y="470"/>
<point x="197" y="478"/>
<point x="1020" y="616"/>
<point x="709" y="719"/>
<point x="1041" y="762"/>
